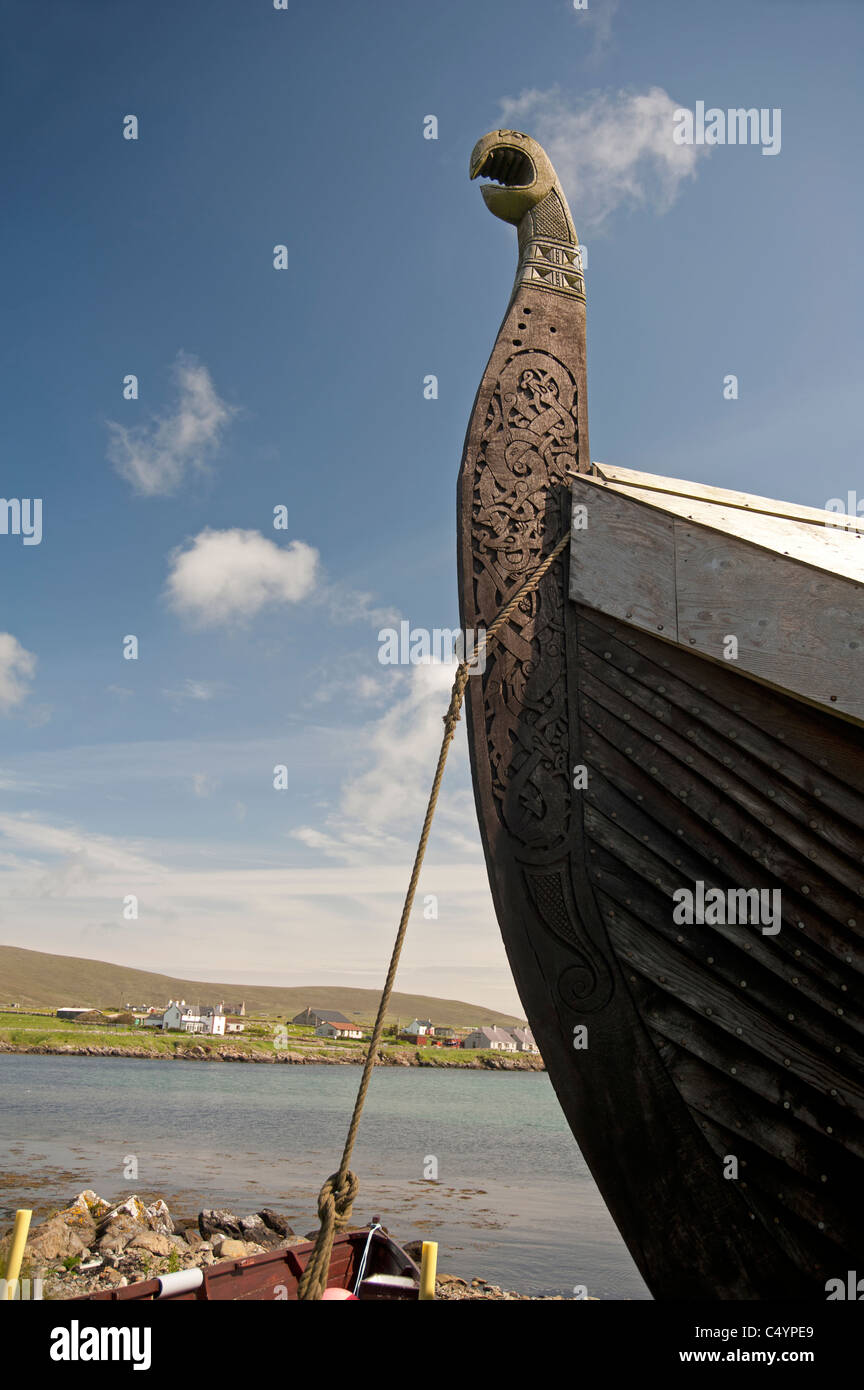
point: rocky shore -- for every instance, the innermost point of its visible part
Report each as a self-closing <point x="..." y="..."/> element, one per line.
<point x="190" y="1052"/>
<point x="91" y="1245"/>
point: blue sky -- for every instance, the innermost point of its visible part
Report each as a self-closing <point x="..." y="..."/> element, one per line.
<point x="303" y="388"/>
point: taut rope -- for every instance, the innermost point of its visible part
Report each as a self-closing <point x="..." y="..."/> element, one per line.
<point x="336" y="1197"/>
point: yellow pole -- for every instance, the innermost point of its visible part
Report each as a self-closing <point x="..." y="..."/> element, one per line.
<point x="428" y="1266"/>
<point x="16" y="1253"/>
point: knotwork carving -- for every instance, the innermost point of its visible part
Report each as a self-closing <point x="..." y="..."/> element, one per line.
<point x="528" y="449"/>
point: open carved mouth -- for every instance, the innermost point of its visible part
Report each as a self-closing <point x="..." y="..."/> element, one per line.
<point x="505" y="165"/>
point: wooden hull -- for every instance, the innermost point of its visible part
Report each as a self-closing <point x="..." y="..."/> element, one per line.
<point x="275" y="1276"/>
<point x="711" y="1074"/>
<point x="704" y="1042"/>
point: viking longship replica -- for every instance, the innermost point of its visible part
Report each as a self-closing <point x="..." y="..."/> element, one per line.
<point x="678" y="706"/>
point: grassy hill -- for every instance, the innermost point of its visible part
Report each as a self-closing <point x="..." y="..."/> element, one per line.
<point x="37" y="980"/>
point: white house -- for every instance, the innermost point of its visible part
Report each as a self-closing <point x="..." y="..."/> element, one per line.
<point x="418" y="1027"/>
<point x="494" y="1038"/>
<point x="524" y="1039"/>
<point x="338" y="1030"/>
<point x="209" y="1020"/>
<point x="182" y="1017"/>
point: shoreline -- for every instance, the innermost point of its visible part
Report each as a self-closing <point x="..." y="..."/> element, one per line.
<point x="93" y="1246"/>
<point x="401" y="1057"/>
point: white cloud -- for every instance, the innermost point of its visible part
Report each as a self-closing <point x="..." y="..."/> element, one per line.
<point x="156" y="457"/>
<point x="17" y="665"/>
<point x="226" y="576"/>
<point x="609" y="151"/>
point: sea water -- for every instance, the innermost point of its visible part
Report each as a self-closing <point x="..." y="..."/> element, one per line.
<point x="510" y="1198"/>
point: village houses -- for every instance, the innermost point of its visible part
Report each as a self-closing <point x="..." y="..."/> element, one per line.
<point x="187" y="1018"/>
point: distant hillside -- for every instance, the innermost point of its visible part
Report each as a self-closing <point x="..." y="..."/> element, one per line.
<point x="37" y="980"/>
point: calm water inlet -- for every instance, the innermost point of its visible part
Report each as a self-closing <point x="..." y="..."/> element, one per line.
<point x="514" y="1202"/>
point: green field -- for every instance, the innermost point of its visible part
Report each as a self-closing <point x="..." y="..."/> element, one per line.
<point x="19" y="1031"/>
<point x="37" y="980"/>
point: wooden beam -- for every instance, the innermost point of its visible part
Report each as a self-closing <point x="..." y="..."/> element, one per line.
<point x="783" y="589"/>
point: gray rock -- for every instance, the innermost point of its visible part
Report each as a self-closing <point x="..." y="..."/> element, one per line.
<point x="255" y="1230"/>
<point x="275" y="1222"/>
<point x="159" y="1218"/>
<point x="216" y="1221"/>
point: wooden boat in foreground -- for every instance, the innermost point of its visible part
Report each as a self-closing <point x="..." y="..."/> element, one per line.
<point x="669" y="735"/>
<point x="389" y="1273"/>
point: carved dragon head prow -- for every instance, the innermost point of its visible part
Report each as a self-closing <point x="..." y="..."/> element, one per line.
<point x="525" y="190"/>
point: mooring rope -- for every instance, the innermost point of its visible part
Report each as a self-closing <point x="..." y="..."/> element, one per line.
<point x="336" y="1197"/>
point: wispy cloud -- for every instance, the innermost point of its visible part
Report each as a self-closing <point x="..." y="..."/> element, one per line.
<point x="194" y="690"/>
<point x="599" y="16"/>
<point x="17" y="666"/>
<point x="63" y="889"/>
<point x="381" y="805"/>
<point x="346" y="605"/>
<point x="610" y="151"/>
<point x="156" y="457"/>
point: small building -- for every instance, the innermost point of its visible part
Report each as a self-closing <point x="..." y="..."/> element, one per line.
<point x="524" y="1039"/>
<point x="419" y="1027"/>
<point x="72" y="1013"/>
<point x="328" y="1029"/>
<point x="313" y="1018"/>
<point x="495" y="1038"/>
<point x="234" y="1024"/>
<point x="182" y="1017"/>
<point x="170" y="1018"/>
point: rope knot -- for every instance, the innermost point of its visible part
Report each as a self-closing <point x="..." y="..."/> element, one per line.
<point x="336" y="1199"/>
